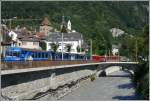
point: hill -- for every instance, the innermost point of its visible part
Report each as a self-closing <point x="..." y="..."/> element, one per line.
<point x="93" y="19"/>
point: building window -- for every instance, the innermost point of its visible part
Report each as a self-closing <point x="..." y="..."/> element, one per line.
<point x="24" y="43"/>
<point x="72" y="50"/>
<point x="35" y="43"/>
<point x="19" y="44"/>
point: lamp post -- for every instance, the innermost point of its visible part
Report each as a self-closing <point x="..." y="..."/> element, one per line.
<point x="62" y="44"/>
<point x="63" y="30"/>
<point x="136" y="50"/>
<point x="91" y="48"/>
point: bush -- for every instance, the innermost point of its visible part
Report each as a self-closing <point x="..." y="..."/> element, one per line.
<point x="141" y="78"/>
<point x="140" y="71"/>
<point x="92" y="77"/>
<point x="143" y="87"/>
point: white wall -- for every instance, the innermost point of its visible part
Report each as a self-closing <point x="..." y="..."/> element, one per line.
<point x="28" y="44"/>
<point x="73" y="48"/>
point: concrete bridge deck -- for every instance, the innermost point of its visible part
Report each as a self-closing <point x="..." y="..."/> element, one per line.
<point x="14" y="71"/>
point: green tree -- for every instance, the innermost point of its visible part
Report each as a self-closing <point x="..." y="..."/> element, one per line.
<point x="54" y="46"/>
<point x="68" y="47"/>
<point x="78" y="48"/>
<point x="141" y="72"/>
<point x="42" y="45"/>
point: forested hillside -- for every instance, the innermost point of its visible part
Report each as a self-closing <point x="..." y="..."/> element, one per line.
<point x="93" y="19"/>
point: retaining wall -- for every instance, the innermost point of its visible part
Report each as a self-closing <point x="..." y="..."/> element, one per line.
<point x="27" y="85"/>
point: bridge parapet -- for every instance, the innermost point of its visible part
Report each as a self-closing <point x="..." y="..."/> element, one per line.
<point x="102" y="64"/>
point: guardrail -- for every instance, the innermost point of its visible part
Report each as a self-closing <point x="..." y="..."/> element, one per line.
<point x="35" y="64"/>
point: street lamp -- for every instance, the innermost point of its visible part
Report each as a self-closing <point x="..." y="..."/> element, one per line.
<point x="136" y="50"/>
<point x="63" y="30"/>
<point x="62" y="44"/>
<point x="91" y="47"/>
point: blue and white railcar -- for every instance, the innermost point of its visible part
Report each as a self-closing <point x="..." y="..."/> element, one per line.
<point x="22" y="54"/>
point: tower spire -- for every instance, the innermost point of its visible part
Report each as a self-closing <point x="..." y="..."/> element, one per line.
<point x="63" y="25"/>
<point x="63" y="19"/>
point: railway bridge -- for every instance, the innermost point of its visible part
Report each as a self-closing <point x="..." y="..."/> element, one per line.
<point x="29" y="83"/>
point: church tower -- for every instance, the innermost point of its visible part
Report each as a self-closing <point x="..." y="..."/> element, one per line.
<point x="46" y="26"/>
<point x="63" y="25"/>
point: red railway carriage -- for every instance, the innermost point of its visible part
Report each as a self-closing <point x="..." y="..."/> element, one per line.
<point x="105" y="58"/>
<point x="98" y="58"/>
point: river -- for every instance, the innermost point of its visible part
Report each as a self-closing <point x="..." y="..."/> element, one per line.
<point x="116" y="86"/>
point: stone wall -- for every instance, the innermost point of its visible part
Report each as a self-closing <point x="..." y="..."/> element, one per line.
<point x="27" y="85"/>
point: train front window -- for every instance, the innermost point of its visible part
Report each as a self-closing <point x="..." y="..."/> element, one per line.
<point x="16" y="54"/>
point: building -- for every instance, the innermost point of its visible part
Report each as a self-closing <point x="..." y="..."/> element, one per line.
<point x="46" y="27"/>
<point x="5" y="39"/>
<point x="116" y="32"/>
<point x="74" y="39"/>
<point x="65" y="39"/>
<point x="44" y="39"/>
<point x="115" y="50"/>
<point x="31" y="42"/>
<point x="19" y="39"/>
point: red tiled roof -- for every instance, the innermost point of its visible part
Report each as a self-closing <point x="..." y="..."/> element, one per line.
<point x="40" y="34"/>
<point x="30" y="38"/>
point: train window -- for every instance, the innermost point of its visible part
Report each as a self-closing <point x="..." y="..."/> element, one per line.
<point x="19" y="44"/>
<point x="46" y="55"/>
<point x="39" y="55"/>
<point x="36" y="54"/>
<point x="42" y="55"/>
<point x="23" y="52"/>
<point x="24" y="43"/>
<point x="33" y="55"/>
<point x="13" y="54"/>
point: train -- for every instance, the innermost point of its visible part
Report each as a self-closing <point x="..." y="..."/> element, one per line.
<point x="98" y="58"/>
<point x="23" y="54"/>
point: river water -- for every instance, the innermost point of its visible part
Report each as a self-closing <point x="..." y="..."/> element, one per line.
<point x="116" y="86"/>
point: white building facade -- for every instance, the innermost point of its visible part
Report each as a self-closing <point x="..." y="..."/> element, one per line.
<point x="28" y="44"/>
<point x="117" y="32"/>
<point x="115" y="50"/>
<point x="73" y="38"/>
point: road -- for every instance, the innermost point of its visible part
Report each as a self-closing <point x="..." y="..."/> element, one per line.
<point x="117" y="86"/>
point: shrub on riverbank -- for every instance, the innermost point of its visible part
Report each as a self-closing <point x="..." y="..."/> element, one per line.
<point x="92" y="77"/>
<point x="141" y="79"/>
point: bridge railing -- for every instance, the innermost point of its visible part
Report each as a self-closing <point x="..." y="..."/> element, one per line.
<point x="35" y="64"/>
<point x="113" y="58"/>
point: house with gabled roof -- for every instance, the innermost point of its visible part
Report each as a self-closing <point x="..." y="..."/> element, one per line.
<point x="74" y="39"/>
<point x="64" y="38"/>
